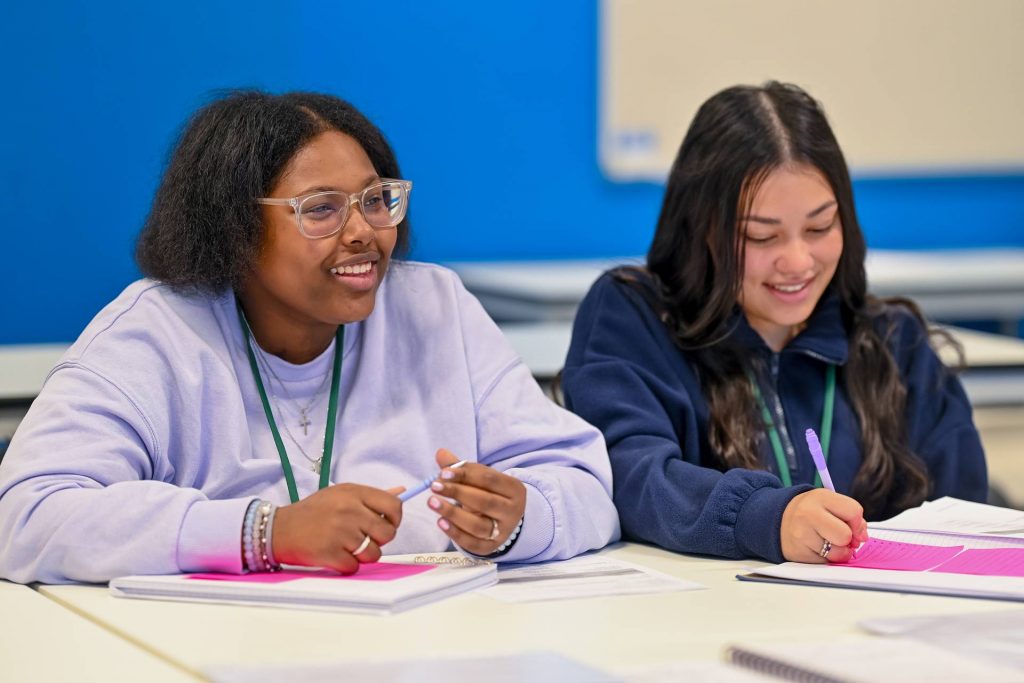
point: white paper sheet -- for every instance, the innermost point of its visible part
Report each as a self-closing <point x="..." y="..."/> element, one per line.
<point x="693" y="672"/>
<point x="954" y="516"/>
<point x="516" y="668"/>
<point x="581" y="577"/>
<point x="992" y="637"/>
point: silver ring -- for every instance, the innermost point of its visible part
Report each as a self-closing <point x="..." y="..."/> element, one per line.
<point x="826" y="548"/>
<point x="494" y="530"/>
<point x="362" y="546"/>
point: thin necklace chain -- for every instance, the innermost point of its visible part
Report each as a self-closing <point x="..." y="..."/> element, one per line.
<point x="267" y="369"/>
<point x="316" y="462"/>
<point x="303" y="412"/>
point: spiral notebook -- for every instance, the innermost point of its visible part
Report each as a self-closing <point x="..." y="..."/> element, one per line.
<point x="396" y="585"/>
<point x="867" y="660"/>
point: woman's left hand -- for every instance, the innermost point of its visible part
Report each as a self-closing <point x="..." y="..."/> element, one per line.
<point x="488" y="506"/>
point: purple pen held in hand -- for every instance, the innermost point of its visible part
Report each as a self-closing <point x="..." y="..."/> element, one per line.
<point x="425" y="484"/>
<point x="819" y="459"/>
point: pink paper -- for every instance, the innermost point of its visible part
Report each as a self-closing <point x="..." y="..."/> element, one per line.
<point x="986" y="562"/>
<point x="909" y="557"/>
<point x="372" y="571"/>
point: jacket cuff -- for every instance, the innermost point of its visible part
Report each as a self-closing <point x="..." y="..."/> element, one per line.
<point x="759" y="521"/>
<point x="210" y="539"/>
<point x="538" y="528"/>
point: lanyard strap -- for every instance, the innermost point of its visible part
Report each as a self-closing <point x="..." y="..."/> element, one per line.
<point x="332" y="409"/>
<point x="825" y="431"/>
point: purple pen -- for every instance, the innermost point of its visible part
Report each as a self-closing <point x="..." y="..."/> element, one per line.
<point x="819" y="464"/>
<point x="819" y="459"/>
<point x="425" y="484"/>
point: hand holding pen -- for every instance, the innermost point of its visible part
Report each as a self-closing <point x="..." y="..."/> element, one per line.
<point x="860" y="527"/>
<point x="478" y="506"/>
<point x="822" y="525"/>
<point x="419" y="488"/>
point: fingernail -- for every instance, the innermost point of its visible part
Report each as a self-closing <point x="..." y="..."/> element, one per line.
<point x="437" y="486"/>
<point x="434" y="502"/>
<point x="447" y="474"/>
<point x="443" y="523"/>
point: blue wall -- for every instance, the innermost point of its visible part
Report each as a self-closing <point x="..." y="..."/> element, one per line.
<point x="467" y="92"/>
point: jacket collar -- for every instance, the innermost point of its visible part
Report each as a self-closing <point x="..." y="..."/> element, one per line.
<point x="825" y="336"/>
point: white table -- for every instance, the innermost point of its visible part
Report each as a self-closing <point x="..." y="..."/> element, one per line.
<point x="42" y="640"/>
<point x="23" y="367"/>
<point x="609" y="633"/>
<point x="949" y="285"/>
<point x="993" y="373"/>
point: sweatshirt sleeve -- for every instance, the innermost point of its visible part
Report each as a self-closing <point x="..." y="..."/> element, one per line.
<point x="939" y="417"/>
<point x="624" y="376"/>
<point x="85" y="493"/>
<point x="561" y="460"/>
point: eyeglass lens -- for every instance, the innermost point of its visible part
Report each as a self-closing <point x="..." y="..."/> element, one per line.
<point x="382" y="205"/>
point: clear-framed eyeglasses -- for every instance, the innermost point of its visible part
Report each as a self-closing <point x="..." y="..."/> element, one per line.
<point x="383" y="204"/>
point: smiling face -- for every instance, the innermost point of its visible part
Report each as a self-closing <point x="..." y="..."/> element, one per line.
<point x="301" y="289"/>
<point x="792" y="241"/>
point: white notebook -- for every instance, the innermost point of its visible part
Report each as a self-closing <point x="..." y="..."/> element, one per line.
<point x="394" y="585"/>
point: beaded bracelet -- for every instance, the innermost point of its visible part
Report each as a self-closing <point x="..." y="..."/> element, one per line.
<point x="270" y="540"/>
<point x="261" y="532"/>
<point x="248" y="547"/>
<point x="509" y="542"/>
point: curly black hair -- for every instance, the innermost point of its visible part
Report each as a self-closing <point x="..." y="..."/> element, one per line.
<point x="204" y="229"/>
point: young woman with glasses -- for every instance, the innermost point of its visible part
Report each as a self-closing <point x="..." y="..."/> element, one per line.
<point x="750" y="324"/>
<point x="280" y="377"/>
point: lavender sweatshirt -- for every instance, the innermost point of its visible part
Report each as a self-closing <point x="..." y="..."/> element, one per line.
<point x="149" y="439"/>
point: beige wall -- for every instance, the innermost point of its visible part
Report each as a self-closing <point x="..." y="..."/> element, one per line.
<point x="909" y="85"/>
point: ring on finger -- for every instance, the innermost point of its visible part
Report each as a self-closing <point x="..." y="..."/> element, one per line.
<point x="826" y="548"/>
<point x="494" y="530"/>
<point x="362" y="546"/>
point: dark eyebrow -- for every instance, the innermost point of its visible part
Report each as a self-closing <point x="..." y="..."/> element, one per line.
<point x="821" y="208"/>
<point x="776" y="221"/>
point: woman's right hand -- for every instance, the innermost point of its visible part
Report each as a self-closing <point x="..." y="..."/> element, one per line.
<point x="327" y="528"/>
<point x="814" y="517"/>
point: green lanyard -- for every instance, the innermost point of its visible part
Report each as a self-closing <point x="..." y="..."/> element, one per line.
<point x="332" y="409"/>
<point x="825" y="432"/>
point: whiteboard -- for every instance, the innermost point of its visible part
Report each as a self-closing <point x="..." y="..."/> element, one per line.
<point x="908" y="85"/>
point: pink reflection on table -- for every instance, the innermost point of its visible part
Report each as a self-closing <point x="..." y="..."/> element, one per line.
<point x="371" y="571"/>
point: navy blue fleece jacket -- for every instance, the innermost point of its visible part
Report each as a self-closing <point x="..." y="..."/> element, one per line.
<point x="624" y="375"/>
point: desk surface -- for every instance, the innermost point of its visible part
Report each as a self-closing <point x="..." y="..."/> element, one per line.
<point x="542" y="345"/>
<point x="994" y="373"/>
<point x="611" y="633"/>
<point x="969" y="284"/>
<point x="40" y="640"/>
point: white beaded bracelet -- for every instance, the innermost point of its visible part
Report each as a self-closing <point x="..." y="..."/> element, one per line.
<point x="261" y="536"/>
<point x="269" y="540"/>
<point x="248" y="545"/>
<point x="507" y="545"/>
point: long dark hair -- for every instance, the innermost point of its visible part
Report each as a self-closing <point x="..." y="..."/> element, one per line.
<point x="737" y="138"/>
<point x="204" y="228"/>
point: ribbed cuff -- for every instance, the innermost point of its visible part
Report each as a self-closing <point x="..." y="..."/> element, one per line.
<point x="538" y="528"/>
<point x="759" y="520"/>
